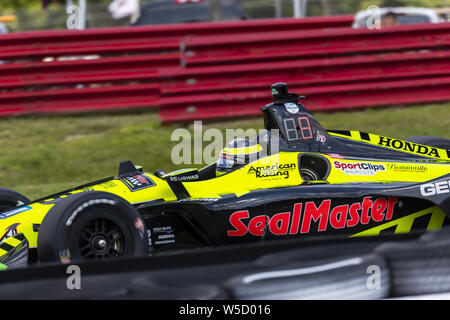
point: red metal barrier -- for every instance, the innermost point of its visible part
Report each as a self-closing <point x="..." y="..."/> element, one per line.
<point x="110" y="69"/>
<point x="275" y="46"/>
<point x="146" y="38"/>
<point x="178" y="80"/>
<point x="79" y="48"/>
<point x="216" y="106"/>
<point x="224" y="75"/>
<point x="304" y="73"/>
<point x="82" y="99"/>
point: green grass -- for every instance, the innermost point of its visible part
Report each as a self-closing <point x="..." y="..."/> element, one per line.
<point x="42" y="155"/>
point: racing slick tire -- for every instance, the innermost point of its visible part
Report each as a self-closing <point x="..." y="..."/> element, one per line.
<point x="91" y="226"/>
<point x="10" y="199"/>
<point x="316" y="253"/>
<point x="352" y="277"/>
<point x="419" y="267"/>
<point x="146" y="288"/>
<point x="431" y="141"/>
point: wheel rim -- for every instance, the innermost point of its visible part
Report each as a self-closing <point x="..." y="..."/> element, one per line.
<point x="101" y="238"/>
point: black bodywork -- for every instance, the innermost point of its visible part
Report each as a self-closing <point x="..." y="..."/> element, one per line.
<point x="310" y="209"/>
<point x="206" y="223"/>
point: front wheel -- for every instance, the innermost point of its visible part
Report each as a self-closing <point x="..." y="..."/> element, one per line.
<point x="9" y="199"/>
<point x="91" y="226"/>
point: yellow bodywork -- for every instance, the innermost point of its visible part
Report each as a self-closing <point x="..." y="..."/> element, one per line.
<point x="276" y="171"/>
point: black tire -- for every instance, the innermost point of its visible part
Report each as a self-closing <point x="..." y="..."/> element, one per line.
<point x="144" y="287"/>
<point x="345" y="278"/>
<point x="91" y="226"/>
<point x="10" y="199"/>
<point x="431" y="141"/>
<point x="110" y="286"/>
<point x="419" y="267"/>
<point x="316" y="253"/>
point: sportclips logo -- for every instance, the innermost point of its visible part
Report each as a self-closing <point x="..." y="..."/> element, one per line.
<point x="304" y="214"/>
<point x="360" y="168"/>
<point x="276" y="170"/>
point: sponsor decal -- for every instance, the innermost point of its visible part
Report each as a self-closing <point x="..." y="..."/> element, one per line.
<point x="320" y="137"/>
<point x="199" y="199"/>
<point x="359" y="168"/>
<point x="304" y="214"/>
<point x="108" y="185"/>
<point x="138" y="182"/>
<point x="165" y="229"/>
<point x="335" y="156"/>
<point x="291" y="107"/>
<point x="165" y="242"/>
<point x="408" y="146"/>
<point x="407" y="168"/>
<point x="166" y="236"/>
<point x="11" y="213"/>
<point x="149" y="237"/>
<point x="138" y="224"/>
<point x="275" y="170"/>
<point x="436" y="188"/>
<point x="184" y="178"/>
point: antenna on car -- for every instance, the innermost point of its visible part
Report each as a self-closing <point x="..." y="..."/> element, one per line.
<point x="281" y="94"/>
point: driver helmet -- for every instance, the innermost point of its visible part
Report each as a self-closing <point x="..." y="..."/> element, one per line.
<point x="236" y="154"/>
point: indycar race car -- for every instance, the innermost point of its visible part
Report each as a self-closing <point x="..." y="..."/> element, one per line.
<point x="295" y="179"/>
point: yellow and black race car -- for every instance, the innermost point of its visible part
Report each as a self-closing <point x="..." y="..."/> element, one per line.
<point x="296" y="179"/>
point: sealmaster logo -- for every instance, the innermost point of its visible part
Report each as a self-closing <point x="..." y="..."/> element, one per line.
<point x="274" y="170"/>
<point x="359" y="168"/>
<point x="303" y="214"/>
<point x="408" y="146"/>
